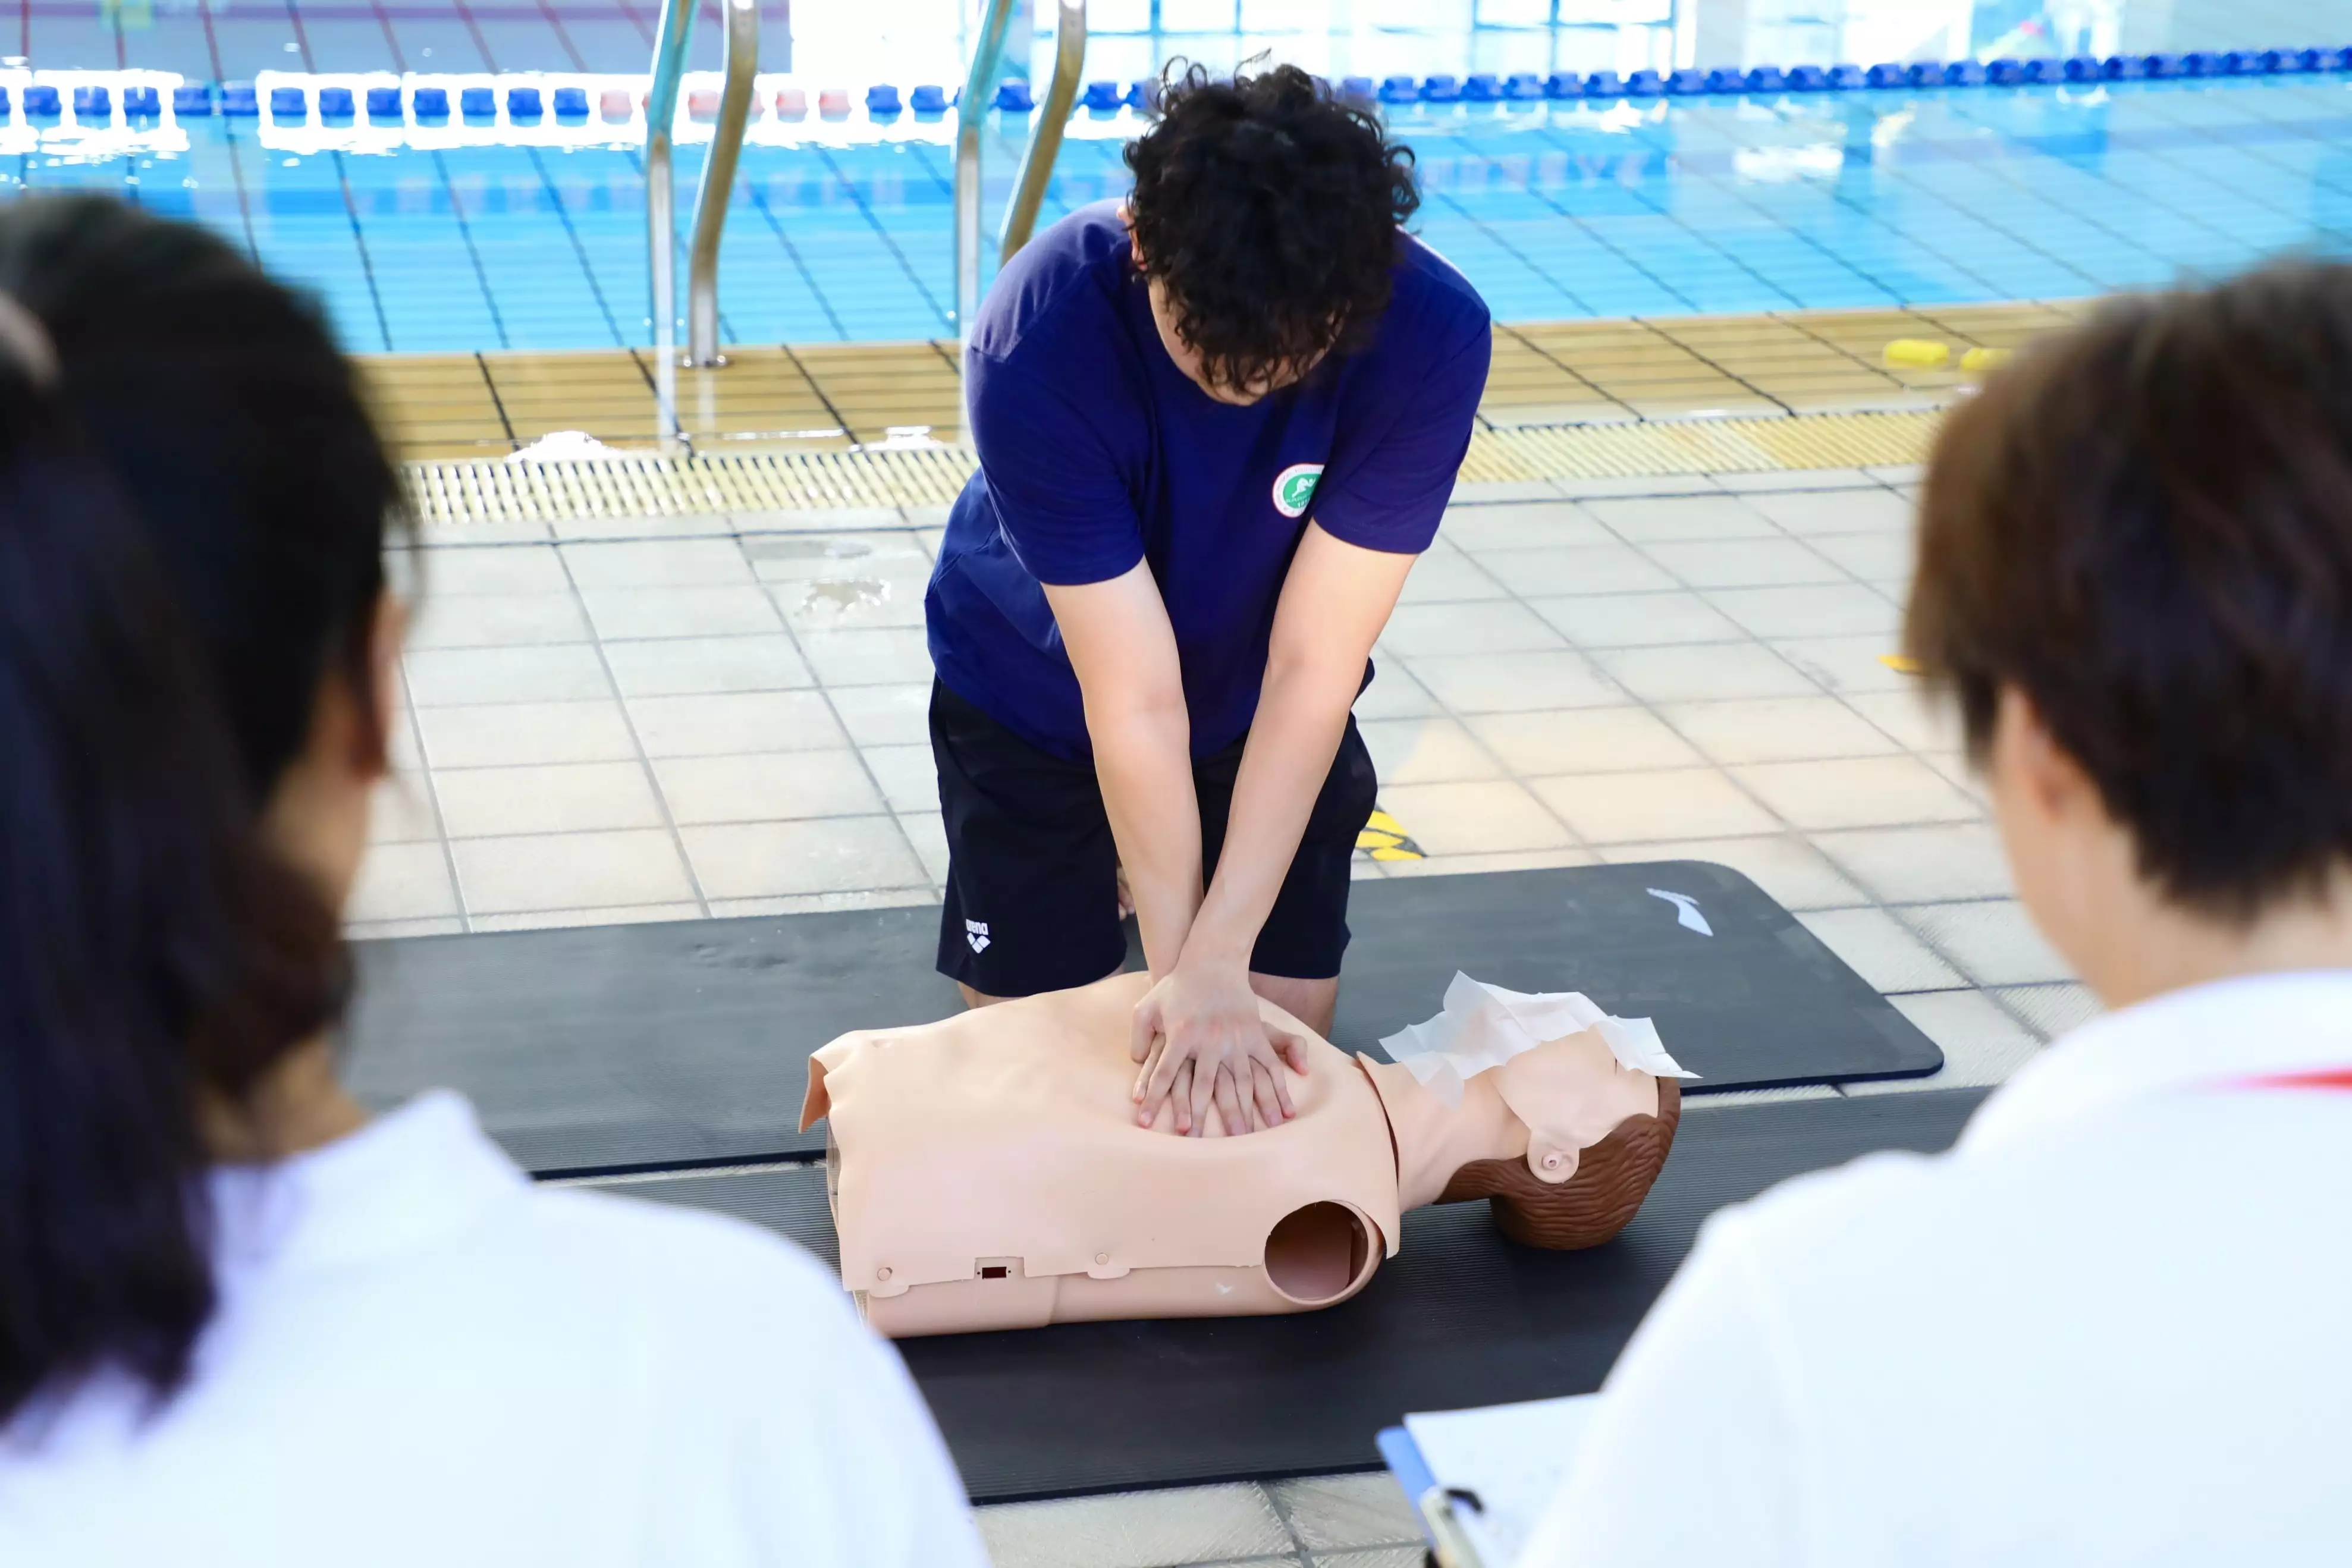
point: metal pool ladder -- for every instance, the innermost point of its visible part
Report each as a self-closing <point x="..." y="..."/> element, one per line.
<point x="1037" y="159"/>
<point x="742" y="64"/>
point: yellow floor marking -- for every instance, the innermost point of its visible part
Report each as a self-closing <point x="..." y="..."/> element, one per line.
<point x="1903" y="664"/>
<point x="1385" y="838"/>
<point x="1918" y="353"/>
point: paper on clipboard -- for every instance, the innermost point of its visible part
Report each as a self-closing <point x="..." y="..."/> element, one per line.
<point x="1512" y="1457"/>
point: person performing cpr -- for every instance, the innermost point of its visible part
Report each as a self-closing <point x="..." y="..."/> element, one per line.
<point x="1217" y="423"/>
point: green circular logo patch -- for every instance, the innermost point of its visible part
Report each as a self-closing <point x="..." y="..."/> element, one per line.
<point x="1294" y="488"/>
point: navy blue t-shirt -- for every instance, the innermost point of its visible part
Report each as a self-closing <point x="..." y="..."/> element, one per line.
<point x="1096" y="452"/>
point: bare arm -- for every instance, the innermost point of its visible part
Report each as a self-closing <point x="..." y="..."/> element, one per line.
<point x="1334" y="601"/>
<point x="1124" y="652"/>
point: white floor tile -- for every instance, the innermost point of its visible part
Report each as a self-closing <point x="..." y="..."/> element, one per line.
<point x="737" y="722"/>
<point x="1445" y="576"/>
<point x="849" y="603"/>
<point x="1846" y="663"/>
<point x="1743" y="563"/>
<point x="909" y="775"/>
<point x="1474" y="819"/>
<point x="1993" y="942"/>
<point x="1514" y="682"/>
<point x="570" y="871"/>
<point x="1136" y="1530"/>
<point x="657" y="563"/>
<point x="1436" y="629"/>
<point x="380" y="930"/>
<point x="516" y="734"/>
<point x="1857" y="792"/>
<point x="1426" y="752"/>
<point x="1501" y="860"/>
<point x="1699" y="1104"/>
<point x="767" y="787"/>
<point x="621" y="615"/>
<point x="492" y="569"/>
<point x="553" y="919"/>
<point x="1339" y="1513"/>
<point x="1777" y="729"/>
<point x="402" y="881"/>
<point x="699" y="666"/>
<point x="1586" y="569"/>
<point x="496" y="619"/>
<point x="824" y="903"/>
<point x="1638" y="484"/>
<point x="1582" y="740"/>
<point x="400" y="811"/>
<point x="1682" y="517"/>
<point x="1874" y="558"/>
<point x="1922" y="864"/>
<point x="1917" y="716"/>
<point x="1837" y="512"/>
<point x="836" y="854"/>
<point x="1546" y="525"/>
<point x="880" y="656"/>
<point x="1878" y="947"/>
<point x="1394" y="694"/>
<point x="1792" y="872"/>
<point x="2052" y="1010"/>
<point x="1796" y="480"/>
<point x="1711" y="672"/>
<point x="1413" y="1556"/>
<point x="548" y="672"/>
<point x="1810" y="610"/>
<point x="894" y="715"/>
<point x="891" y="554"/>
<point x="1982" y="1044"/>
<point x="1636" y="619"/>
<point x="1628" y="808"/>
<point x="929" y="835"/>
<point x="582" y="797"/>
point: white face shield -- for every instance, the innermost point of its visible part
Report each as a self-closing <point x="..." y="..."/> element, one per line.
<point x="1484" y="1025"/>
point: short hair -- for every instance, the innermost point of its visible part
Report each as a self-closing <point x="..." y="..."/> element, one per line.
<point x="2144" y="525"/>
<point x="1269" y="210"/>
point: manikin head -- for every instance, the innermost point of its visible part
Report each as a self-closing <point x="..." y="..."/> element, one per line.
<point x="1265" y="215"/>
<point x="2136" y="576"/>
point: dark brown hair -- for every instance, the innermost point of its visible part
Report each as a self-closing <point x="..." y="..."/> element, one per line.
<point x="2145" y="527"/>
<point x="1269" y="209"/>
<point x="192" y="504"/>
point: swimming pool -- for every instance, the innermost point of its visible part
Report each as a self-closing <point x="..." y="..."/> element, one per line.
<point x="491" y="231"/>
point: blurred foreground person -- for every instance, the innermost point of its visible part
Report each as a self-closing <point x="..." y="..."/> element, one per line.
<point x="240" y="1320"/>
<point x="2110" y="1325"/>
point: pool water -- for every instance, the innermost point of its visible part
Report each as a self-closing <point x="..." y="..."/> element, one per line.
<point x="490" y="234"/>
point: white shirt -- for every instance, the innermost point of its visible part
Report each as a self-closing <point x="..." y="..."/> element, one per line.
<point x="420" y="1358"/>
<point x="2114" y="1325"/>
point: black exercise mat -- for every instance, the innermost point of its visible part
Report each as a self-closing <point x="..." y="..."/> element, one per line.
<point x="1462" y="1317"/>
<point x="622" y="1047"/>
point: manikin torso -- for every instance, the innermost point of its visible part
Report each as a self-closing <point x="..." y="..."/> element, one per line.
<point x="988" y="1171"/>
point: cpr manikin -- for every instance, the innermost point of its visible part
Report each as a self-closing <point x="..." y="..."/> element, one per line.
<point x="987" y="1171"/>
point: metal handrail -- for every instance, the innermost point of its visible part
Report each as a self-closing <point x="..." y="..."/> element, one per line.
<point x="972" y="113"/>
<point x="711" y="202"/>
<point x="1037" y="158"/>
<point x="661" y="224"/>
<point x="743" y="63"/>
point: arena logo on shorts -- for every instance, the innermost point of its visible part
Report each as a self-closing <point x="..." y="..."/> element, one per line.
<point x="1294" y="488"/>
<point x="976" y="932"/>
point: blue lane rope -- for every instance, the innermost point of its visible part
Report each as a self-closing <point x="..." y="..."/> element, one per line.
<point x="1015" y="96"/>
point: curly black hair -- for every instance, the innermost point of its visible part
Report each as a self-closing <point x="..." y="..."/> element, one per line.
<point x="1268" y="210"/>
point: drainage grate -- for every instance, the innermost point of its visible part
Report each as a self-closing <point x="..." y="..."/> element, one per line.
<point x="495" y="491"/>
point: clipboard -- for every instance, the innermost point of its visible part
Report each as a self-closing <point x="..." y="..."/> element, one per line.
<point x="1479" y="1480"/>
